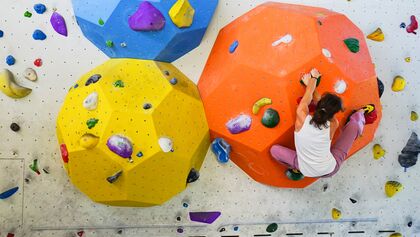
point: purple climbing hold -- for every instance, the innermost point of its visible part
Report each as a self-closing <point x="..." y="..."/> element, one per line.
<point x="146" y="18"/>
<point x="8" y="193"/>
<point x="120" y="145"/>
<point x="204" y="217"/>
<point x="239" y="124"/>
<point x="58" y="23"/>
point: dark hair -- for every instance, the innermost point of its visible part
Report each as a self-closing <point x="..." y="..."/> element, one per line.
<point x="327" y="107"/>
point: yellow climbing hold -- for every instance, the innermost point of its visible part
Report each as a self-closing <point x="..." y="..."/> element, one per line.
<point x="89" y="141"/>
<point x="378" y="152"/>
<point x="260" y="103"/>
<point x="377" y="35"/>
<point x="396" y="235"/>
<point x="414" y="116"/>
<point x="407" y="59"/>
<point x="398" y="84"/>
<point x="392" y="188"/>
<point x="336" y="214"/>
<point x="182" y="13"/>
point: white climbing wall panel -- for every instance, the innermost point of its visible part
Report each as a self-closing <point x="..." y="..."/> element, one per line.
<point x="48" y="205"/>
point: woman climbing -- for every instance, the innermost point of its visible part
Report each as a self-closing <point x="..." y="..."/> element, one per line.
<point x="314" y="155"/>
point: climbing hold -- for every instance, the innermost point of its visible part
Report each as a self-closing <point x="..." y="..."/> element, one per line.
<point x="371" y="117"/>
<point x="147" y="106"/>
<point x="353" y="200"/>
<point x="377" y="35"/>
<point x="222" y="229"/>
<point x="58" y="23"/>
<point x="352" y="44"/>
<point x="396" y="235"/>
<point x="27" y="14"/>
<point x="185" y="204"/>
<point x="146" y="18"/>
<point x="402" y="25"/>
<point x="381" y="87"/>
<point x="8" y="193"/>
<point x="64" y="153"/>
<point x="119" y="84"/>
<point x="294" y="174"/>
<point x="93" y="79"/>
<point x="91" y="101"/>
<point x="109" y="43"/>
<point x="10" y="235"/>
<point x="239" y="124"/>
<point x="180" y="230"/>
<point x="336" y="214"/>
<point x="409" y="153"/>
<point x="325" y="187"/>
<point x="204" y="217"/>
<point x="75" y="86"/>
<point x="39" y="35"/>
<point x="10" y="60"/>
<point x="1" y="34"/>
<point x="89" y="141"/>
<point x="272" y="228"/>
<point x="413" y="26"/>
<point x="221" y="149"/>
<point x="286" y="39"/>
<point x="392" y="188"/>
<point x="120" y="232"/>
<point x="45" y="170"/>
<point x="414" y="116"/>
<point x="233" y="46"/>
<point x="15" y="127"/>
<point x="166" y="144"/>
<point x="30" y="74"/>
<point x="120" y="145"/>
<point x="398" y="84"/>
<point x="173" y="81"/>
<point x="182" y="13"/>
<point x="340" y="87"/>
<point x="193" y="176"/>
<point x="113" y="178"/>
<point x="178" y="218"/>
<point x="326" y="53"/>
<point x="38" y="62"/>
<point x="34" y="167"/>
<point x="235" y="228"/>
<point x="407" y="59"/>
<point x="9" y="86"/>
<point x="378" y="152"/>
<point x="270" y="118"/>
<point x="305" y="83"/>
<point x="101" y="22"/>
<point x="123" y="44"/>
<point x="260" y="103"/>
<point x="91" y="122"/>
<point x="410" y="223"/>
<point x="40" y="8"/>
<point x="80" y="233"/>
<point x="139" y="154"/>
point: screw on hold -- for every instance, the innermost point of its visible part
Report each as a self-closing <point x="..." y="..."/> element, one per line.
<point x="92" y="122"/>
<point x="75" y="86"/>
<point x="101" y="22"/>
<point x="193" y="176"/>
<point x="80" y="233"/>
<point x="178" y="218"/>
<point x="120" y="231"/>
<point x="113" y="178"/>
<point x="166" y="73"/>
<point x="93" y="79"/>
<point x="119" y="84"/>
<point x="139" y="154"/>
<point x="15" y="127"/>
<point x="233" y="46"/>
<point x="147" y="106"/>
<point x="403" y="25"/>
<point x="123" y="44"/>
<point x="353" y="200"/>
<point x="109" y="43"/>
<point x="10" y="60"/>
<point x="27" y="14"/>
<point x="46" y="170"/>
<point x="235" y="228"/>
<point x="325" y="187"/>
<point x="185" y="204"/>
<point x="27" y="180"/>
<point x="410" y="223"/>
<point x="38" y="62"/>
<point x="34" y="167"/>
<point x="222" y="229"/>
<point x="173" y="81"/>
<point x="180" y="230"/>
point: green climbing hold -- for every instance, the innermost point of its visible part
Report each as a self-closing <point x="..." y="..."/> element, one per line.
<point x="27" y="14"/>
<point x="352" y="44"/>
<point x="101" y="22"/>
<point x="92" y="122"/>
<point x="294" y="175"/>
<point x="272" y="227"/>
<point x="109" y="44"/>
<point x="270" y="118"/>
<point x="119" y="84"/>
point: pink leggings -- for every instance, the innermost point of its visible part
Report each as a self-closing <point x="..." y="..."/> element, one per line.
<point x="339" y="150"/>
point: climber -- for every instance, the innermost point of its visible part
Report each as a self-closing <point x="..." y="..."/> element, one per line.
<point x="314" y="155"/>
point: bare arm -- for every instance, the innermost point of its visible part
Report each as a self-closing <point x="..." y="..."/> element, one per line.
<point x="302" y="109"/>
<point x="316" y="97"/>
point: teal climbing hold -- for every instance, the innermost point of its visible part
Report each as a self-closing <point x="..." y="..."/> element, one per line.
<point x="270" y="118"/>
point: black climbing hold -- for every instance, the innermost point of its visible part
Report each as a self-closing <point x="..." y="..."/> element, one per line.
<point x="353" y="200"/>
<point x="166" y="73"/>
<point x="119" y="232"/>
<point x="147" y="106"/>
<point x="27" y="180"/>
<point x="15" y="127"/>
<point x="294" y="175"/>
<point x="410" y="223"/>
<point x="402" y="25"/>
<point x="178" y="218"/>
<point x="193" y="176"/>
<point x="409" y="153"/>
<point x="272" y="227"/>
<point x="270" y="118"/>
<point x="325" y="187"/>
<point x="45" y="170"/>
<point x="222" y="230"/>
<point x="173" y="81"/>
<point x="381" y="87"/>
<point x="112" y="179"/>
<point x="93" y="79"/>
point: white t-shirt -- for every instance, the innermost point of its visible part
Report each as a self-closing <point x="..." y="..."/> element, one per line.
<point x="313" y="148"/>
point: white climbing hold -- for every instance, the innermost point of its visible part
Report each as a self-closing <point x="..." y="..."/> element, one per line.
<point x="30" y="74"/>
<point x="166" y="144"/>
<point x="326" y="53"/>
<point x="340" y="86"/>
<point x="91" y="101"/>
<point x="286" y="39"/>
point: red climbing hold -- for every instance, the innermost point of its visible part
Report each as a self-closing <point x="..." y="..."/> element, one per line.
<point x="10" y="235"/>
<point x="80" y="233"/>
<point x="64" y="153"/>
<point x="38" y="62"/>
<point x="414" y="25"/>
<point x="371" y="117"/>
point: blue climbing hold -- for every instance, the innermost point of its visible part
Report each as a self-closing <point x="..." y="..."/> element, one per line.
<point x="40" y="8"/>
<point x="221" y="149"/>
<point x="10" y="60"/>
<point x="233" y="46"/>
<point x="140" y="154"/>
<point x="76" y="85"/>
<point x="402" y="25"/>
<point x="1" y="34"/>
<point x="8" y="193"/>
<point x="39" y="35"/>
<point x="174" y="81"/>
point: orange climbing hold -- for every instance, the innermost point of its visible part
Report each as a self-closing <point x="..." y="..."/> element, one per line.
<point x="291" y="40"/>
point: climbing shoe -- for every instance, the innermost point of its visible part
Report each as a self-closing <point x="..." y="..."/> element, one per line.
<point x="294" y="174"/>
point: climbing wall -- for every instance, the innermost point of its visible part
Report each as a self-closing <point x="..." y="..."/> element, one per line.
<point x="49" y="205"/>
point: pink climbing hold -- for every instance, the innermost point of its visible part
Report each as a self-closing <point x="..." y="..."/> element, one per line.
<point x="64" y="153"/>
<point x="414" y="25"/>
<point x="58" y="23"/>
<point x="146" y="18"/>
<point x="204" y="217"/>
